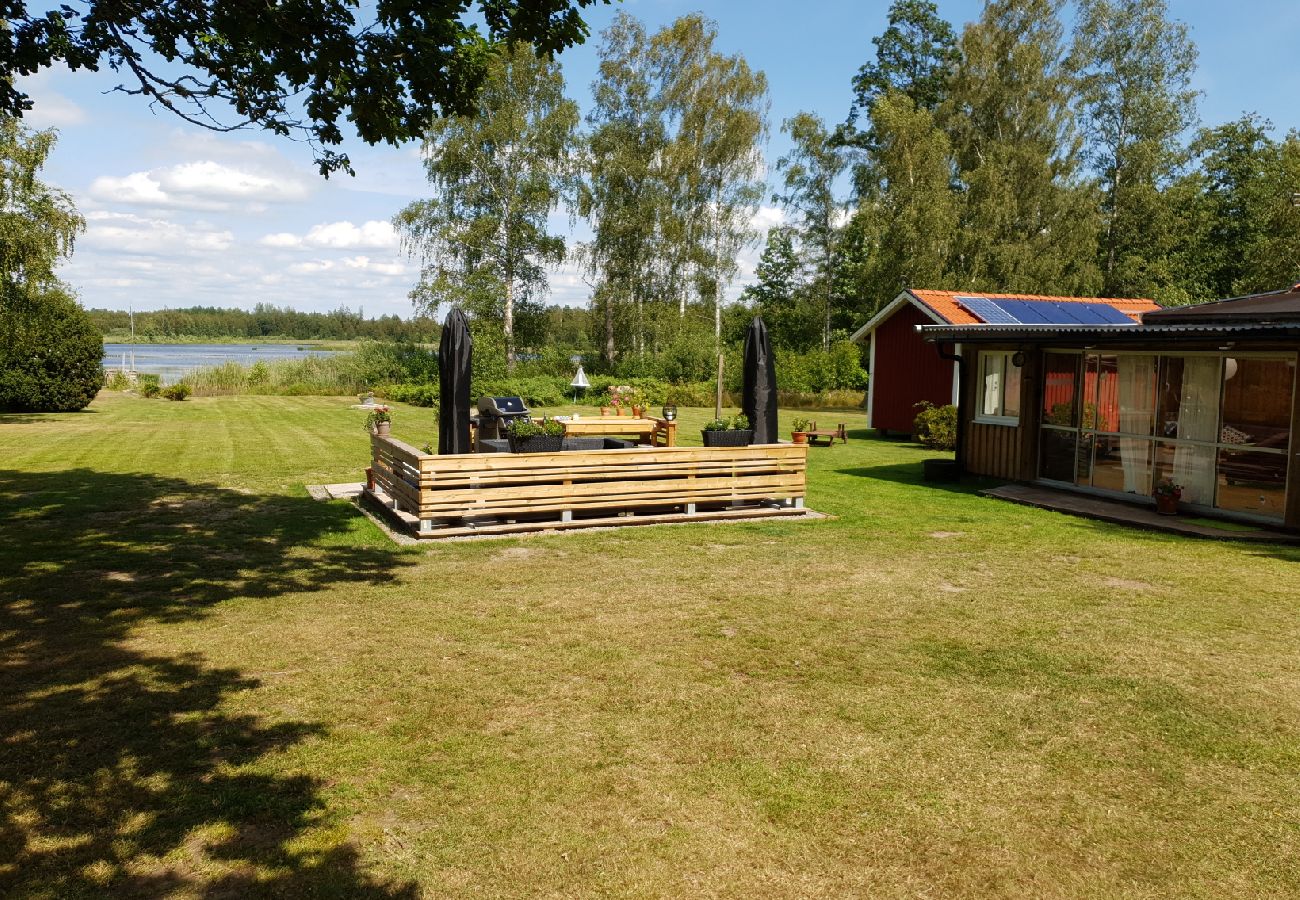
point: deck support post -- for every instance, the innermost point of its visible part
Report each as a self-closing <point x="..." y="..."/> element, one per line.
<point x="566" y="515"/>
<point x="426" y="526"/>
<point x="690" y="509"/>
<point x="798" y="502"/>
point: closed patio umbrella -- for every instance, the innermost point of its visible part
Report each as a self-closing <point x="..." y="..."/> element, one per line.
<point x="455" y="352"/>
<point x="759" y="397"/>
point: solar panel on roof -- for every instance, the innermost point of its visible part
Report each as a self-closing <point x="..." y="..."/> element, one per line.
<point x="987" y="311"/>
<point x="1030" y="313"/>
<point x="1102" y="314"/>
<point x="1042" y="312"/>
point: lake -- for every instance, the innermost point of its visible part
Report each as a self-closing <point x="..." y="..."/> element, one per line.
<point x="173" y="361"/>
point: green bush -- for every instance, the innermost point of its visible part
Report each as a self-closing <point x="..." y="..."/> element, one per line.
<point x="538" y="390"/>
<point x="51" y="353"/>
<point x="117" y="381"/>
<point x="653" y="391"/>
<point x="936" y="426"/>
<point x="425" y="395"/>
<point x="698" y="393"/>
<point x="391" y="362"/>
<point x="818" y="371"/>
<point x="178" y="391"/>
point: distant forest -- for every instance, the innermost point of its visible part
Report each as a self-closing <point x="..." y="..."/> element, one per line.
<point x="265" y="321"/>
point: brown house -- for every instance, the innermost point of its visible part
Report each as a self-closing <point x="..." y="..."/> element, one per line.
<point x="906" y="370"/>
<point x="1203" y="395"/>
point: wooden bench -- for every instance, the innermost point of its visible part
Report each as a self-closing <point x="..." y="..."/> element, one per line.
<point x="815" y="436"/>
<point x="494" y="493"/>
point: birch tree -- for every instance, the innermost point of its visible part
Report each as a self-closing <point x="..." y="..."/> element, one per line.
<point x="810" y="171"/>
<point x="716" y="110"/>
<point x="1134" y="69"/>
<point x="624" y="193"/>
<point x="497" y="175"/>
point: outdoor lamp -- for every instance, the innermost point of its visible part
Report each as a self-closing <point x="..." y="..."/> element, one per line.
<point x="670" y="412"/>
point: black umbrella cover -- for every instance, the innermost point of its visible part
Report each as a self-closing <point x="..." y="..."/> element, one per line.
<point x="759" y="398"/>
<point x="455" y="352"/>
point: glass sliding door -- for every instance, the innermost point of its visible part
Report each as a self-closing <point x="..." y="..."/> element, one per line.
<point x="1058" y="439"/>
<point x="1219" y="426"/>
<point x="1255" y="435"/>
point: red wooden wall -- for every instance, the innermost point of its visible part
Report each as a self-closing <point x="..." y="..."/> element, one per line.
<point x="907" y="371"/>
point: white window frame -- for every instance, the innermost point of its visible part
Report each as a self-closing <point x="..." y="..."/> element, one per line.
<point x="981" y="417"/>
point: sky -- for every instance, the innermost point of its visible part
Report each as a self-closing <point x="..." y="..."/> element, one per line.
<point x="180" y="216"/>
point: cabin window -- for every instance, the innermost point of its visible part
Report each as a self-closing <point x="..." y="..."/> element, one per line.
<point x="1218" y="425"/>
<point x="999" y="388"/>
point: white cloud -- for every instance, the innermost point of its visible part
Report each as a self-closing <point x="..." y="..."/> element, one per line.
<point x="203" y="184"/>
<point x="281" y="239"/>
<point x="136" y="188"/>
<point x="206" y="178"/>
<point x="372" y="235"/>
<point x="125" y="233"/>
<point x="50" y="109"/>
<point x="768" y="217"/>
<point x="377" y="266"/>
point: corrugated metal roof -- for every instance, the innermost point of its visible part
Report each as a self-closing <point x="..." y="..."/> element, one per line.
<point x="972" y="333"/>
<point x="1274" y="306"/>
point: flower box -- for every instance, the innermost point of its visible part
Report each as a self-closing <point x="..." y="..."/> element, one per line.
<point x="537" y="443"/>
<point x="729" y="438"/>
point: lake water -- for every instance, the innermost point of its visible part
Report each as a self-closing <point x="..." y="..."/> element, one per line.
<point x="173" y="361"/>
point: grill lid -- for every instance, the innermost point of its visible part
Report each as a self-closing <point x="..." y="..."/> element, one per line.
<point x="502" y="406"/>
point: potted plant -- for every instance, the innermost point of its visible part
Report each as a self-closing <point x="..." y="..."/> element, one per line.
<point x="799" y="434"/>
<point x="1167" y="493"/>
<point x="379" y="421"/>
<point x="546" y="436"/>
<point x="728" y="433"/>
<point x="617" y="399"/>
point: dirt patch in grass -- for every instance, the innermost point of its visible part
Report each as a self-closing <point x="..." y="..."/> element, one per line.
<point x="1127" y="584"/>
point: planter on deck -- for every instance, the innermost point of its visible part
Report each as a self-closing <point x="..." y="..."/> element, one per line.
<point x="729" y="438"/>
<point x="540" y="443"/>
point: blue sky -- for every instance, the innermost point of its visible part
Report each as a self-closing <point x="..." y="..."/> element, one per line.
<point x="179" y="216"/>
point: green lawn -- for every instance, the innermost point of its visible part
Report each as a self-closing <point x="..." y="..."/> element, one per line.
<point x="212" y="686"/>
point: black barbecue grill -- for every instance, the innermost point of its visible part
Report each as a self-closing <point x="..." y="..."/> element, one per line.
<point x="495" y="413"/>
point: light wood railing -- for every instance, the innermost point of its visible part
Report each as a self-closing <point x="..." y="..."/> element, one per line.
<point x="483" y="493"/>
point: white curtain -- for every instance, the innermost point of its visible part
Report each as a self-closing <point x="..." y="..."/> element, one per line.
<point x="1137" y="413"/>
<point x="1198" y="420"/>
<point x="992" y="384"/>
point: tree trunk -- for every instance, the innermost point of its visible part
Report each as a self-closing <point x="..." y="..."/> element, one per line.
<point x="508" y="325"/>
<point x="609" y="331"/>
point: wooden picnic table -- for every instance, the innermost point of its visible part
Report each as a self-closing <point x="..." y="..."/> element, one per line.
<point x="647" y="430"/>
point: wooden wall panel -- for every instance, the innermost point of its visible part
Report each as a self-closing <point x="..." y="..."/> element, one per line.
<point x="907" y="370"/>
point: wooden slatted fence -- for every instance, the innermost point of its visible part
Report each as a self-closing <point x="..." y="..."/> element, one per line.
<point x="497" y="492"/>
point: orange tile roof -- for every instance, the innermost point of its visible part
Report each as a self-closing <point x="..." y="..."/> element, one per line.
<point x="944" y="304"/>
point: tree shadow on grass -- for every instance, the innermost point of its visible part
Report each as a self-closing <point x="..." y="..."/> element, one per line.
<point x="120" y="771"/>
<point x="914" y="473"/>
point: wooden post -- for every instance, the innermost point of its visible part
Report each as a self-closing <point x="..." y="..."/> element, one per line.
<point x="717" y="407"/>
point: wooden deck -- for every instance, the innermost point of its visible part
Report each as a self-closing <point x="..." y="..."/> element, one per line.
<point x="493" y="493"/>
<point x="1133" y="515"/>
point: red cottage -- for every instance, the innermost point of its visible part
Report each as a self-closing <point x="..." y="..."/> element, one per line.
<point x="906" y="370"/>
